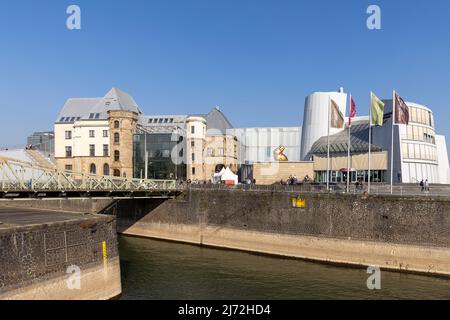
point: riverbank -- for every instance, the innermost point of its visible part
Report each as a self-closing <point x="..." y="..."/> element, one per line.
<point x="394" y="233"/>
<point x="57" y="255"/>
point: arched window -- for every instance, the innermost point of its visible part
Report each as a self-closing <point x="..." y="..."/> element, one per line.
<point x="117" y="155"/>
<point x="106" y="169"/>
<point x="116" y="124"/>
<point x="93" y="169"/>
<point x="116" y="137"/>
<point x="116" y="173"/>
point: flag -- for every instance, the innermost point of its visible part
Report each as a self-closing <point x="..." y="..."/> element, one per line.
<point x="337" y="118"/>
<point x="352" y="110"/>
<point x="377" y="110"/>
<point x="401" y="110"/>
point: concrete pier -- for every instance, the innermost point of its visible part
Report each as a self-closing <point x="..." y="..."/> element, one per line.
<point x="55" y="254"/>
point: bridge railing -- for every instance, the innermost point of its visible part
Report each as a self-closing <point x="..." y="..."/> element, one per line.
<point x="16" y="175"/>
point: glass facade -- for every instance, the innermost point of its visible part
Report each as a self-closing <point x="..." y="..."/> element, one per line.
<point x="164" y="156"/>
<point x="43" y="141"/>
<point x="341" y="176"/>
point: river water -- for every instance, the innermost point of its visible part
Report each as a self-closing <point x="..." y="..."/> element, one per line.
<point x="164" y="270"/>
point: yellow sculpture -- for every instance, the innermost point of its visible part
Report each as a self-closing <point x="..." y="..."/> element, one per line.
<point x="279" y="154"/>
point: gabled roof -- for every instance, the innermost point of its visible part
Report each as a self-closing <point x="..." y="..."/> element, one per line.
<point x="115" y="99"/>
<point x="76" y="108"/>
<point x="216" y="121"/>
<point x="359" y="141"/>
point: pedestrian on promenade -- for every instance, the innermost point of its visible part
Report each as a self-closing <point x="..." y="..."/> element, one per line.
<point x="427" y="185"/>
<point x="422" y="185"/>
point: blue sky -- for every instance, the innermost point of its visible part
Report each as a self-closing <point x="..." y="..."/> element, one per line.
<point x="256" y="59"/>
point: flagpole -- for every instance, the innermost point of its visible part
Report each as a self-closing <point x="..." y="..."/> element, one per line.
<point x="370" y="140"/>
<point x="392" y="142"/>
<point x="328" y="146"/>
<point x="348" y="146"/>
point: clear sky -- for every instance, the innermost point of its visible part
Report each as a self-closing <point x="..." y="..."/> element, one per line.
<point x="256" y="59"/>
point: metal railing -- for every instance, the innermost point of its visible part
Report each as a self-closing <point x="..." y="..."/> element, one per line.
<point x="375" y="189"/>
<point x="16" y="175"/>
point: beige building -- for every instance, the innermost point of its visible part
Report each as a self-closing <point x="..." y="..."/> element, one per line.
<point x="95" y="135"/>
<point x="273" y="172"/>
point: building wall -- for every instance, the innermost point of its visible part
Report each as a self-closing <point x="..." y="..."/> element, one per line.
<point x="220" y="150"/>
<point x="195" y="145"/>
<point x="127" y="128"/>
<point x="443" y="168"/>
<point x="379" y="161"/>
<point x="315" y="124"/>
<point x="269" y="173"/>
<point x="259" y="144"/>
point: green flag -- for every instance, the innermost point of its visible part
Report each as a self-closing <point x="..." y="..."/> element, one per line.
<point x="377" y="109"/>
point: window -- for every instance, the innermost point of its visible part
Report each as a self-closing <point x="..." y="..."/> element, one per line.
<point x="116" y="173"/>
<point x="160" y="120"/>
<point x="93" y="169"/>
<point x="171" y="121"/>
<point x="106" y="169"/>
<point x="116" y="124"/>
<point x="220" y="152"/>
<point x="192" y="144"/>
<point x="150" y="120"/>
<point x="116" y="137"/>
<point x="61" y="120"/>
<point x="268" y="152"/>
<point x="193" y="157"/>
<point x="91" y="134"/>
<point x="166" y="120"/>
<point x="105" y="133"/>
<point x="91" y="116"/>
<point x="209" y="152"/>
<point x="92" y="150"/>
<point x="192" y="129"/>
<point x="72" y="119"/>
<point x="79" y="118"/>
<point x="105" y="151"/>
<point x="69" y="167"/>
<point x="117" y="155"/>
<point x="68" y="152"/>
<point x="97" y="115"/>
<point x="193" y="171"/>
<point x="68" y="135"/>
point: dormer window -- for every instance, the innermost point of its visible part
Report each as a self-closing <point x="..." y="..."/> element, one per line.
<point x="91" y="116"/>
<point x="166" y="120"/>
<point x="61" y="120"/>
<point x="150" y="120"/>
<point x="97" y="115"/>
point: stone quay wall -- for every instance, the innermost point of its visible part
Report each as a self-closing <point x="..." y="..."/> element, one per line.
<point x="35" y="260"/>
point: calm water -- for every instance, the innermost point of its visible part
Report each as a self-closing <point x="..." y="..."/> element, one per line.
<point x="164" y="270"/>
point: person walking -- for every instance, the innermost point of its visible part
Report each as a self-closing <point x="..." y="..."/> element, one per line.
<point x="422" y="186"/>
<point x="427" y="186"/>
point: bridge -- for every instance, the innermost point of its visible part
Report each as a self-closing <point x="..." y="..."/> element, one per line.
<point x="19" y="179"/>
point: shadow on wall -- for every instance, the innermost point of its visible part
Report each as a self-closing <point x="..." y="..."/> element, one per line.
<point x="130" y="211"/>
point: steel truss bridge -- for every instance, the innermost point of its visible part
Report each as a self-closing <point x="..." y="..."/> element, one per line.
<point x="19" y="179"/>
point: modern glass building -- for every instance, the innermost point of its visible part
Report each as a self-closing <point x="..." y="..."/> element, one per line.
<point x="159" y="156"/>
<point x="42" y="141"/>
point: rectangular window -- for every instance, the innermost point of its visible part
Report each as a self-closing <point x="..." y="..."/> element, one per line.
<point x="209" y="152"/>
<point x="69" y="167"/>
<point x="91" y="134"/>
<point x="68" y="152"/>
<point x="192" y="144"/>
<point x="68" y="135"/>
<point x="193" y="171"/>
<point x="105" y="150"/>
<point x="192" y="129"/>
<point x="92" y="150"/>
<point x="91" y="116"/>
<point x="268" y="152"/>
<point x="220" y="152"/>
<point x="105" y="133"/>
<point x="193" y="157"/>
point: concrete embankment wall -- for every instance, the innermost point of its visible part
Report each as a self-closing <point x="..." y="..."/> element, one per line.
<point x="400" y="233"/>
<point x="35" y="259"/>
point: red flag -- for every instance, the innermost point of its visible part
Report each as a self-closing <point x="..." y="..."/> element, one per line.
<point x="352" y="110"/>
<point x="401" y="110"/>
